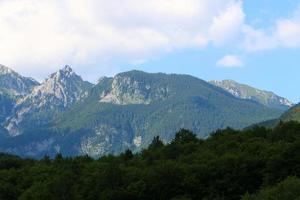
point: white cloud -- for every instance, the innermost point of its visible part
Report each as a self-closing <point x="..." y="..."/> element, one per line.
<point x="227" y="26"/>
<point x="257" y="39"/>
<point x="284" y="33"/>
<point x="230" y="61"/>
<point x="288" y="32"/>
<point x="37" y="37"/>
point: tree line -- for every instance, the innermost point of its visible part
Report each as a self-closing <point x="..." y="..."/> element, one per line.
<point x="253" y="164"/>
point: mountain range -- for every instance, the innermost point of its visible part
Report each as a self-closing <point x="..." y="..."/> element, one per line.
<point x="69" y="115"/>
<point x="54" y="95"/>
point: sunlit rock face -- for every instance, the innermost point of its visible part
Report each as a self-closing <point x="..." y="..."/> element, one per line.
<point x="13" y="87"/>
<point x="13" y="83"/>
<point x="126" y="89"/>
<point x="56" y="93"/>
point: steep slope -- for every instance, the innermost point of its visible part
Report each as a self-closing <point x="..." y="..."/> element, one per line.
<point x="55" y="94"/>
<point x="6" y="105"/>
<point x="13" y="86"/>
<point x="247" y="92"/>
<point x="292" y="114"/>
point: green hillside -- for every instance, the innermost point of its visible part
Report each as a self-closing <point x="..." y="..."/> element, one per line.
<point x="292" y="114"/>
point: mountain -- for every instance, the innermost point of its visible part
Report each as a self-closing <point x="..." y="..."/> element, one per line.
<point x="247" y="92"/>
<point x="14" y="84"/>
<point x="292" y="114"/>
<point x="121" y="112"/>
<point x="12" y="87"/>
<point x="6" y="105"/>
<point x="45" y="101"/>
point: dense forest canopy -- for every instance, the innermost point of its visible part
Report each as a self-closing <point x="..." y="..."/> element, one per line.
<point x="257" y="163"/>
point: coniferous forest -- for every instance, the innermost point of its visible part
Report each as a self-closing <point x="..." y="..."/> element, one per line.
<point x="256" y="163"/>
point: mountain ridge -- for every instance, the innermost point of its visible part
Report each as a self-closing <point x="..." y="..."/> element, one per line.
<point x="244" y="91"/>
<point x="14" y="83"/>
<point x="12" y="87"/>
<point x="68" y="115"/>
<point x="55" y="94"/>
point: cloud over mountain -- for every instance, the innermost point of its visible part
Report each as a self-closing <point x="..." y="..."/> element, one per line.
<point x="52" y="33"/>
<point x="37" y="36"/>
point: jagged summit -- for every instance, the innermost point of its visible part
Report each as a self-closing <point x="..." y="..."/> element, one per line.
<point x="61" y="84"/>
<point x="5" y="70"/>
<point x="67" y="68"/>
<point x="56" y="93"/>
<point x="13" y="86"/>
<point x="66" y="71"/>
<point x="121" y="112"/>
<point x="13" y="83"/>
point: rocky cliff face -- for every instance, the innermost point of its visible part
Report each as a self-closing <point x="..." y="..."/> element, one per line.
<point x="14" y="84"/>
<point x="246" y="92"/>
<point x="6" y="105"/>
<point x="127" y="89"/>
<point x="56" y="93"/>
<point x="60" y="90"/>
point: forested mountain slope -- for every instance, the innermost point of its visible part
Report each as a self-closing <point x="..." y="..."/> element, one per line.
<point x="128" y="110"/>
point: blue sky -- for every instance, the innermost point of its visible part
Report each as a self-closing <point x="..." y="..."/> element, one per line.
<point x="275" y="70"/>
<point x="256" y="42"/>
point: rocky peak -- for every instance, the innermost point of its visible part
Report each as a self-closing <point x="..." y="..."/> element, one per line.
<point x="13" y="83"/>
<point x="65" y="72"/>
<point x="67" y="69"/>
<point x="56" y="93"/>
<point x="63" y="87"/>
<point x="5" y="70"/>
